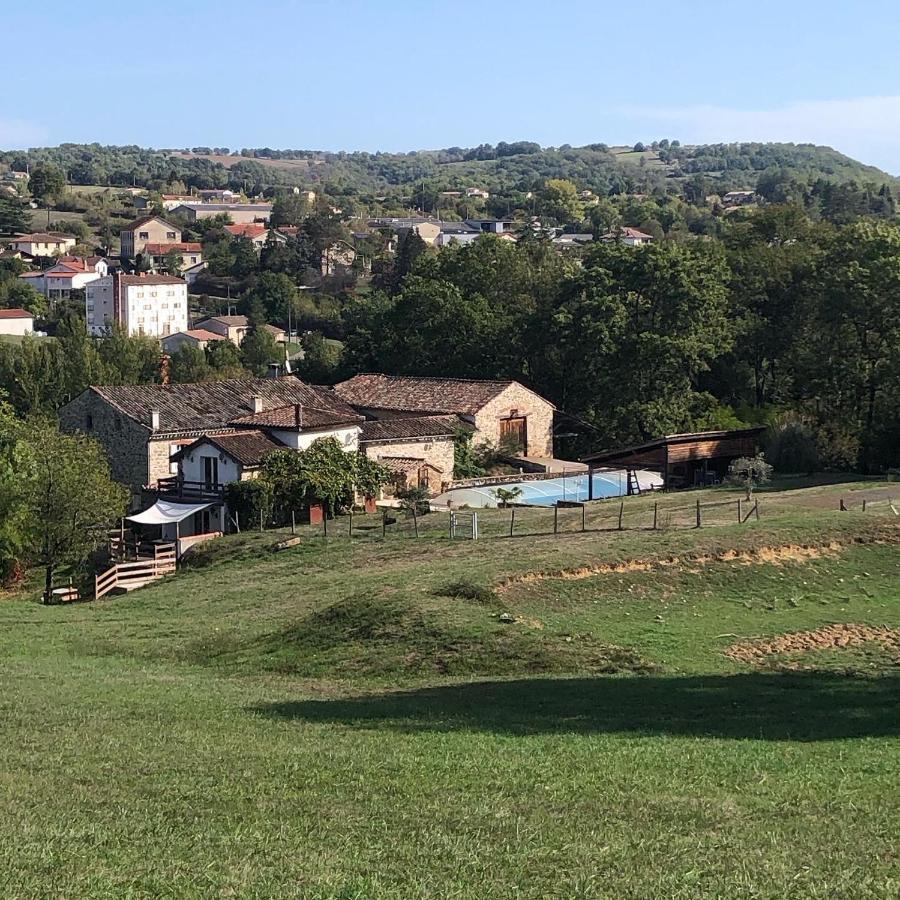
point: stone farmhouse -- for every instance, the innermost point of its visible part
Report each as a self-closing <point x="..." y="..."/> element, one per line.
<point x="502" y="413"/>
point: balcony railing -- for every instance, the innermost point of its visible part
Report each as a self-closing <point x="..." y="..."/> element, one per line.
<point x="179" y="488"/>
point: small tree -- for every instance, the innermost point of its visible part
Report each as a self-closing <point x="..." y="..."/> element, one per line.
<point x="749" y="472"/>
<point x="70" y="499"/>
<point x="506" y="496"/>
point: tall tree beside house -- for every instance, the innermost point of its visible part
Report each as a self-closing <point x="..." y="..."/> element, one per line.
<point x="47" y="183"/>
<point x="16" y="294"/>
<point x="224" y="359"/>
<point x="172" y="263"/>
<point x="69" y="499"/>
<point x="244" y="260"/>
<point x="274" y="293"/>
<point x="190" y="365"/>
<point x="559" y="201"/>
<point x="259" y="350"/>
<point x="289" y="209"/>
<point x="14" y="215"/>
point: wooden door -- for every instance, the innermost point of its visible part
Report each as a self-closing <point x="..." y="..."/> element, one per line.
<point x="210" y="472"/>
<point x="514" y="433"/>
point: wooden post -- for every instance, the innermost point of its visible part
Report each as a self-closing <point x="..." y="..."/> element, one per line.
<point x="293" y="522"/>
<point x="351" y="521"/>
<point x="698" y="513"/>
<point x="655" y="514"/>
<point x="740" y="512"/>
<point x="756" y="509"/>
<point x="864" y="504"/>
<point x="415" y="520"/>
<point x="556" y="520"/>
<point x="260" y="519"/>
<point x="583" y="522"/>
<point x="452" y="525"/>
<point x="383" y="522"/>
<point x="843" y="507"/>
<point x="621" y="513"/>
<point x="325" y="521"/>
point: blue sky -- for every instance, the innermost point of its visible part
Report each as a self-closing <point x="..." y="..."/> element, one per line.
<point x="404" y="75"/>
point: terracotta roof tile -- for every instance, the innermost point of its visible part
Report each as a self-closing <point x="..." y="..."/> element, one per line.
<point x="411" y="427"/>
<point x="246" y="447"/>
<point x="302" y="416"/>
<point x="212" y="406"/>
<point x="15" y="314"/>
<point x="182" y="247"/>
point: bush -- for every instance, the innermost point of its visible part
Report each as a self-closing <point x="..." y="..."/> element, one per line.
<point x="469" y="590"/>
<point x="248" y="499"/>
<point x="791" y="446"/>
<point x="749" y="472"/>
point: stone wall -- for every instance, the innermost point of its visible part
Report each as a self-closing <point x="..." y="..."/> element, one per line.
<point x="519" y="401"/>
<point x="123" y="439"/>
<point x="437" y="452"/>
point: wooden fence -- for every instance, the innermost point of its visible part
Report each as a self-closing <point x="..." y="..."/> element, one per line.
<point x="130" y="575"/>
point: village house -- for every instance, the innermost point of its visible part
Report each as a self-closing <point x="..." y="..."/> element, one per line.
<point x="503" y="413"/>
<point x="492" y="226"/>
<point x="198" y="338"/>
<point x="190" y="252"/>
<point x="738" y="198"/>
<point x="481" y="193"/>
<point x="17" y="322"/>
<point x="142" y="427"/>
<point x="218" y="195"/>
<point x="418" y="450"/>
<point x="339" y="256"/>
<point x="135" y="236"/>
<point x="42" y="243"/>
<point x="167" y="201"/>
<point x="237" y="212"/>
<point x="235" y="328"/>
<point x="13" y="176"/>
<point x="631" y="237"/>
<point x="69" y="274"/>
<point x="568" y="241"/>
<point x="457" y="233"/>
<point x="153" y="305"/>
<point x="258" y="234"/>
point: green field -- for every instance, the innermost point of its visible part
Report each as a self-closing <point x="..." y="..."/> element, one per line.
<point x="587" y="715"/>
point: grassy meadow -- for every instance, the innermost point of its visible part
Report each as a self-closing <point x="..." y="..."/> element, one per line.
<point x="686" y="713"/>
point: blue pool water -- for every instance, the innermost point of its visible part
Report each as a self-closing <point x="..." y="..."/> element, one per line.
<point x="547" y="492"/>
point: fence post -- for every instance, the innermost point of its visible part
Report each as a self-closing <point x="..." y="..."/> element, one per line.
<point x="843" y="507"/>
<point x="556" y="520"/>
<point x="698" y="513"/>
<point x="351" y="521"/>
<point x="260" y="519"/>
<point x="512" y="521"/>
<point x="474" y="526"/>
<point x="452" y="525"/>
<point x="415" y="520"/>
<point x="621" y="513"/>
<point x="324" y="520"/>
<point x="864" y="504"/>
<point x="293" y="523"/>
<point x="655" y="514"/>
<point x="740" y="512"/>
<point x="383" y="521"/>
<point x="756" y="510"/>
<point x="583" y="522"/>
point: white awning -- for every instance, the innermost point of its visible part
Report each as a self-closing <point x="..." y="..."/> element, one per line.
<point x="165" y="512"/>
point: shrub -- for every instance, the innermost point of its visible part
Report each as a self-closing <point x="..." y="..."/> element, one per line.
<point x="749" y="472"/>
<point x="468" y="590"/>
<point x="791" y="446"/>
<point x="247" y="500"/>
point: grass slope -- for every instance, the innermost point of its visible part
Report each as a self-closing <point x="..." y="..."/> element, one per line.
<point x="353" y="719"/>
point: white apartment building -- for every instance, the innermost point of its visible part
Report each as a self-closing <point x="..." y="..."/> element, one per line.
<point x="153" y="305"/>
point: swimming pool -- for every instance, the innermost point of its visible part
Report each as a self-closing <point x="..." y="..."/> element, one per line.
<point x="546" y="492"/>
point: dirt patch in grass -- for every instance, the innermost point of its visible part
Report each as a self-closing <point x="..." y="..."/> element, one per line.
<point x="771" y="555"/>
<point x="809" y="650"/>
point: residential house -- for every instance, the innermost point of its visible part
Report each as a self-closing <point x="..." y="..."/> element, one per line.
<point x="190" y="253"/>
<point x="153" y="305"/>
<point x="338" y="257"/>
<point x="502" y="412"/>
<point x="493" y="226"/>
<point x="12" y="176"/>
<point x="419" y="450"/>
<point x="738" y="198"/>
<point x="192" y="273"/>
<point x="199" y="338"/>
<point x="218" y="196"/>
<point x="16" y="322"/>
<point x="43" y="244"/>
<point x="167" y="201"/>
<point x="477" y="192"/>
<point x="457" y="233"/>
<point x="427" y="229"/>
<point x="309" y="196"/>
<point x="70" y="274"/>
<point x="146" y="230"/>
<point x="235" y="328"/>
<point x="258" y="234"/>
<point x="142" y="427"/>
<point x="631" y="237"/>
<point x="568" y="241"/>
<point x="237" y="212"/>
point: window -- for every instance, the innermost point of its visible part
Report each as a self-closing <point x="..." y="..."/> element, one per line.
<point x="147" y="306"/>
<point x="152" y="294"/>
<point x="144" y="235"/>
<point x="173" y="466"/>
<point x="170" y="235"/>
<point x="88" y="422"/>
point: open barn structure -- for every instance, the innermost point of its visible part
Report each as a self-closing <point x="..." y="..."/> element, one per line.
<point x="684" y="460"/>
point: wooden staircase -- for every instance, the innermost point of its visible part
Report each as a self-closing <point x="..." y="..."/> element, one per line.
<point x="128" y="576"/>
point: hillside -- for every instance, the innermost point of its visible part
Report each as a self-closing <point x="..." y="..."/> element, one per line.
<point x="508" y="169"/>
<point x="682" y="713"/>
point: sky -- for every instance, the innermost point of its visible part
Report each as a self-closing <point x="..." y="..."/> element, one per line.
<point x="399" y="75"/>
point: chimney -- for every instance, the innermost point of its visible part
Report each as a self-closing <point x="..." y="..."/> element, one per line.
<point x="257" y="405"/>
<point x="154" y="420"/>
<point x="298" y="415"/>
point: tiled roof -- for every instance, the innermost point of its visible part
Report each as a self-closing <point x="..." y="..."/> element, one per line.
<point x="231" y="321"/>
<point x="411" y="393"/>
<point x="210" y="406"/>
<point x="143" y="220"/>
<point x="247" y="229"/>
<point x="405" y="465"/>
<point x="246" y="447"/>
<point x="301" y="416"/>
<point x="42" y="237"/>
<point x="150" y="279"/>
<point x="411" y="427"/>
<point x="626" y="232"/>
<point x="182" y="247"/>
<point x="273" y="329"/>
<point x="15" y="314"/>
<point x="199" y="334"/>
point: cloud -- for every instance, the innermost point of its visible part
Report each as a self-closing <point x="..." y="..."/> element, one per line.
<point x="867" y="128"/>
<point x="19" y="134"/>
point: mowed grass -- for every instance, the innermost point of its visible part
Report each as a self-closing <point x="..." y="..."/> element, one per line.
<point x="353" y="718"/>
